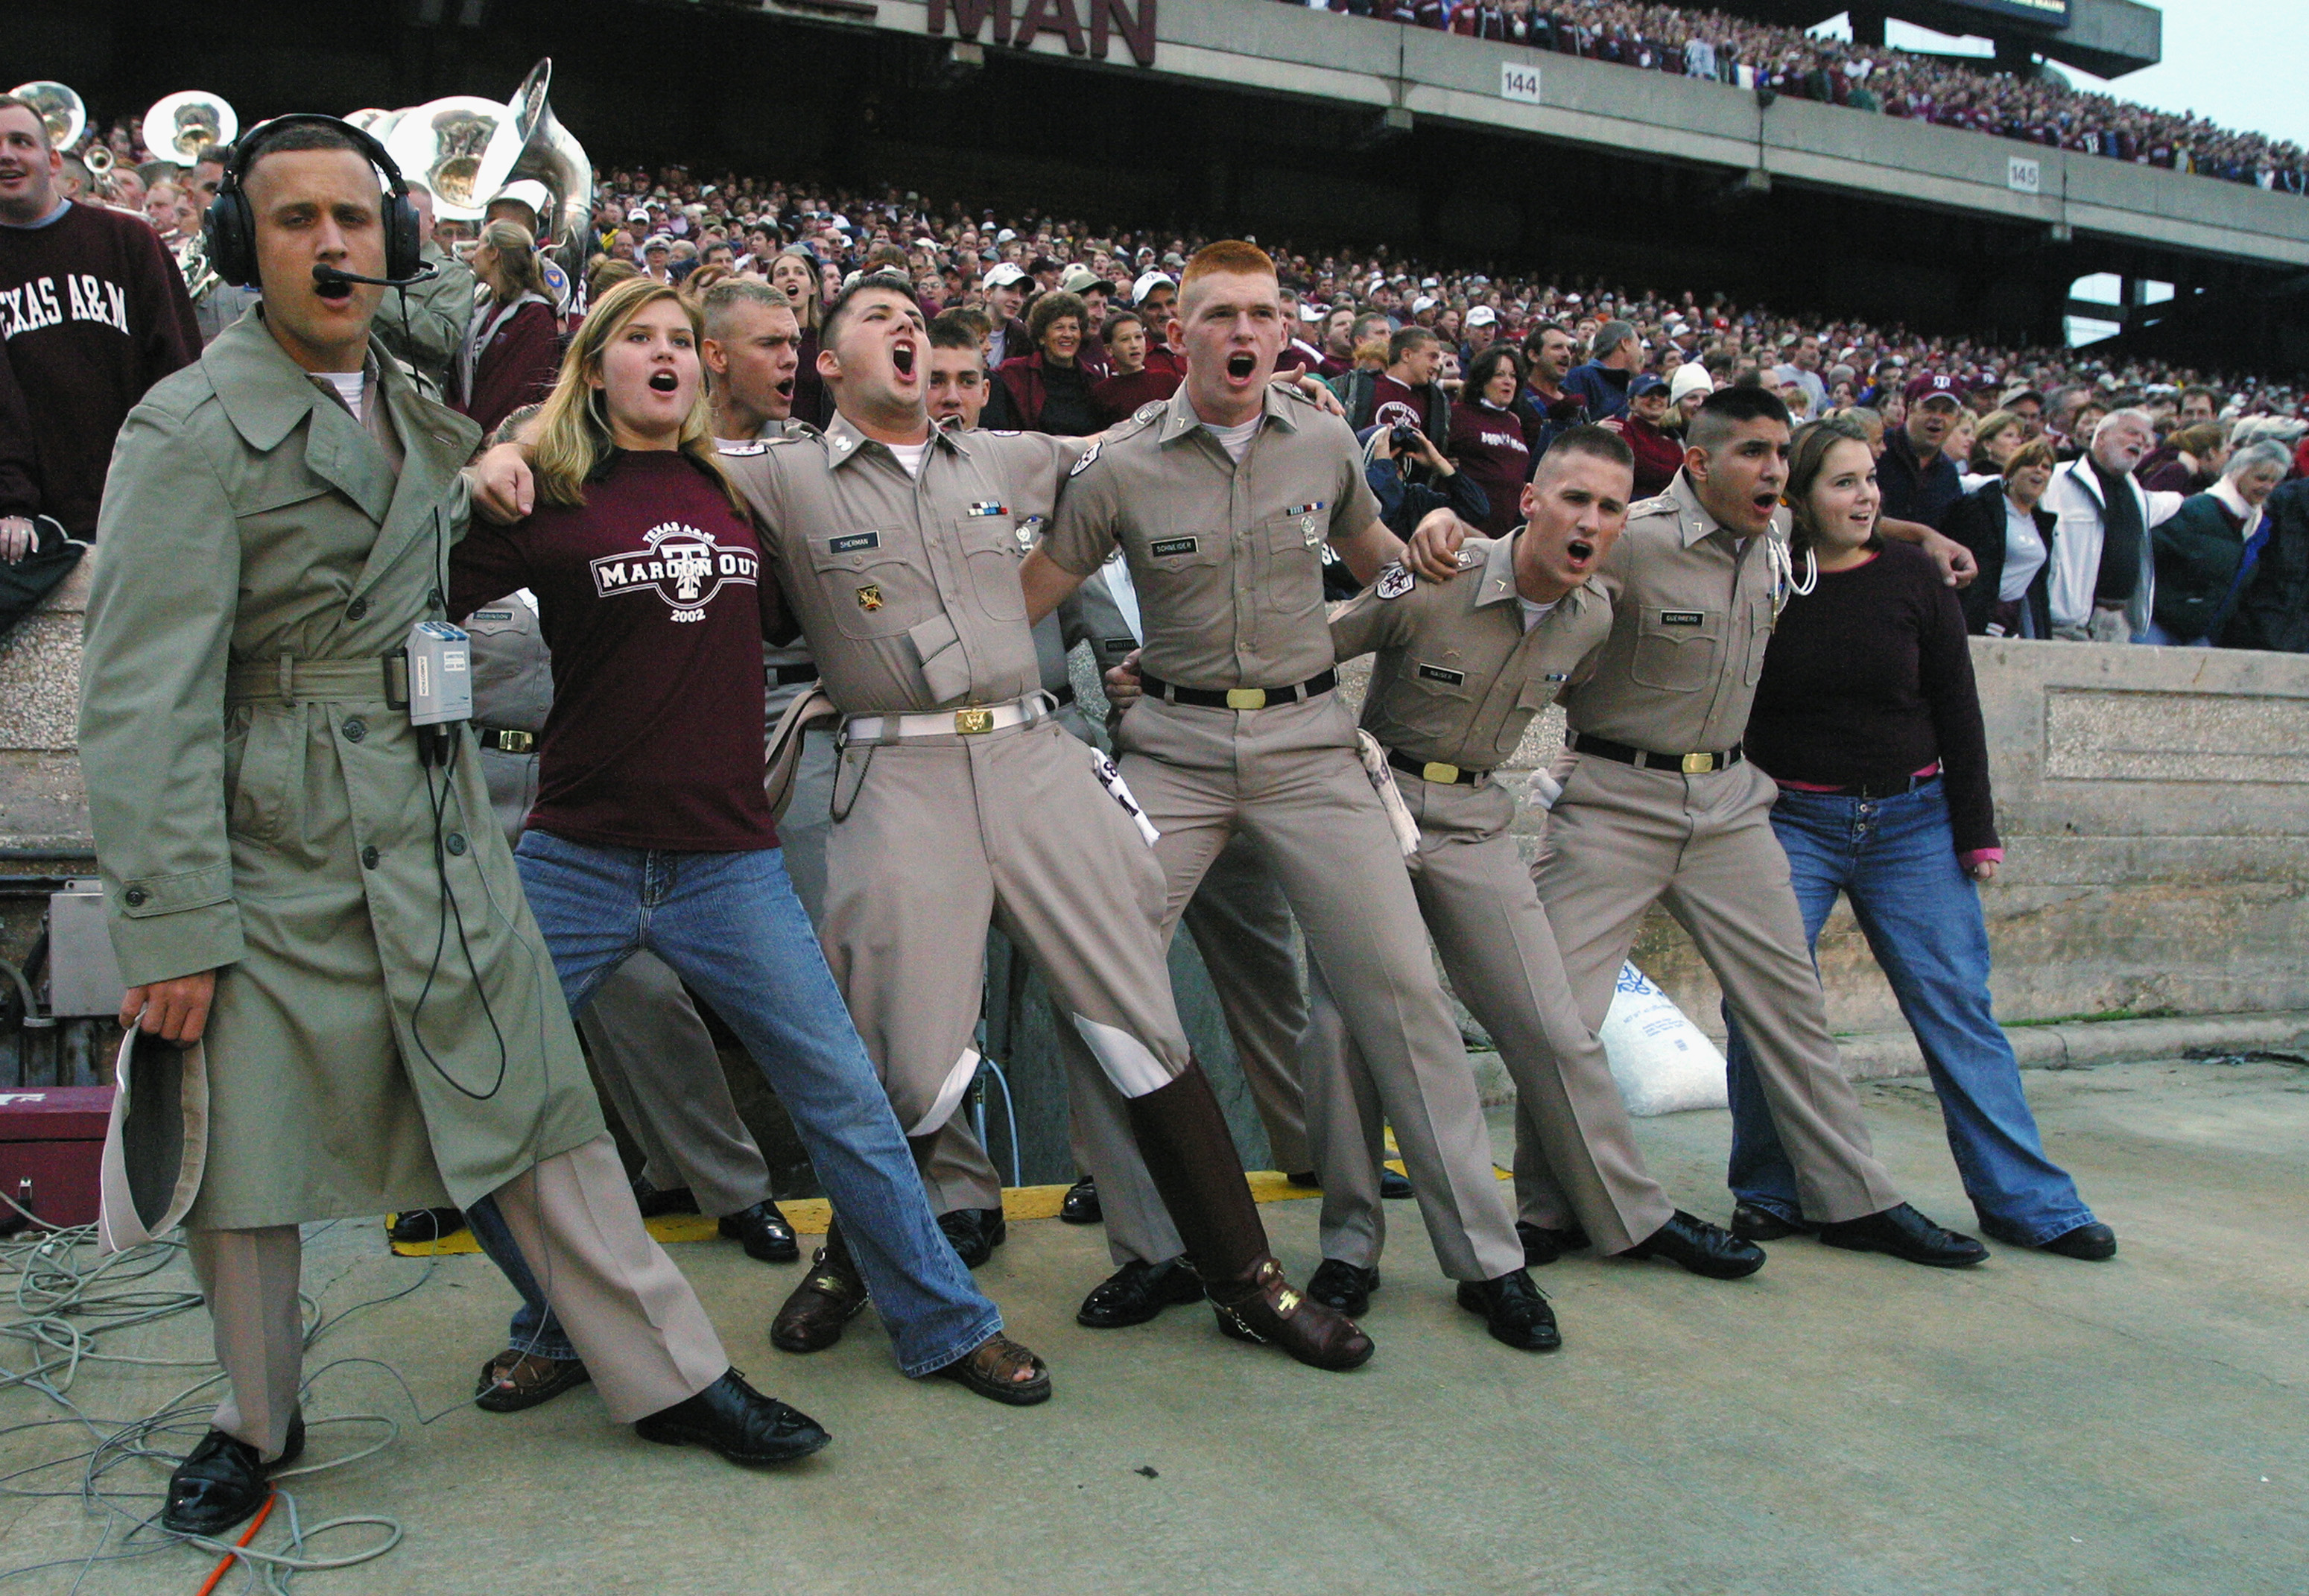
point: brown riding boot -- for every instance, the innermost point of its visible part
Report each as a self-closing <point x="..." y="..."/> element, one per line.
<point x="829" y="1297"/>
<point x="1183" y="1137"/>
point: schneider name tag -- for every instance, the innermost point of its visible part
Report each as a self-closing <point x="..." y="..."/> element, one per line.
<point x="1170" y="546"/>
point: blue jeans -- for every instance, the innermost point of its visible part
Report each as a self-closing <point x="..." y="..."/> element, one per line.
<point x="730" y="925"/>
<point x="1896" y="858"/>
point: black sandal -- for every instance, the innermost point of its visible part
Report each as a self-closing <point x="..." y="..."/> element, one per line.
<point x="514" y="1380"/>
<point x="991" y="1369"/>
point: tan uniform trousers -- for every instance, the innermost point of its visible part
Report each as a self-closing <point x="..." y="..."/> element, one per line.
<point x="1572" y="1137"/>
<point x="1287" y="779"/>
<point x="639" y="1327"/>
<point x="653" y="1055"/>
<point x="1241" y="922"/>
<point x="935" y="838"/>
<point x="1620" y="840"/>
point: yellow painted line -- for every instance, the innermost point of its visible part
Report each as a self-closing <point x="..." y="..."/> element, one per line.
<point x="810" y="1216"/>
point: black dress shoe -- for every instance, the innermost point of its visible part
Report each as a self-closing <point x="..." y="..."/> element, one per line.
<point x="1343" y="1286"/>
<point x="415" y="1225"/>
<point x="654" y="1201"/>
<point x="975" y="1233"/>
<point x="764" y="1231"/>
<point x="1751" y="1223"/>
<point x="1515" y="1311"/>
<point x="1080" y="1205"/>
<point x="1904" y="1233"/>
<point x="2091" y="1242"/>
<point x="831" y="1295"/>
<point x="1136" y="1293"/>
<point x="1542" y="1246"/>
<point x="1701" y="1248"/>
<point x="1393" y="1186"/>
<point x="222" y="1483"/>
<point x="1309" y="1179"/>
<point x="731" y="1418"/>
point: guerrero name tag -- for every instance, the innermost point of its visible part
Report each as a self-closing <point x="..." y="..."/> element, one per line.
<point x="1682" y="617"/>
<point x="1164" y="547"/>
<point x="854" y="542"/>
<point x="1437" y="673"/>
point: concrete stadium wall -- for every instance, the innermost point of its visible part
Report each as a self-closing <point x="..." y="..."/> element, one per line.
<point x="1258" y="44"/>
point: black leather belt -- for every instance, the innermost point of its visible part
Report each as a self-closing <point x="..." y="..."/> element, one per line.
<point x="1065" y="695"/>
<point x="786" y="676"/>
<point x="1426" y="770"/>
<point x="1238" y="698"/>
<point x="1689" y="764"/>
<point x="505" y="739"/>
<point x="1870" y="789"/>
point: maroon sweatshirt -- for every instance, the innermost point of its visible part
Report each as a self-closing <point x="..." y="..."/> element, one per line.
<point x="518" y="366"/>
<point x="654" y="600"/>
<point x="94" y="312"/>
<point x="1488" y="445"/>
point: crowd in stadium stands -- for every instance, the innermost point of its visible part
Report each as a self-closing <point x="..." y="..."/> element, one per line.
<point x="1709" y="44"/>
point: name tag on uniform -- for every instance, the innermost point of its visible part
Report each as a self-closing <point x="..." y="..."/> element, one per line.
<point x="854" y="542"/>
<point x="1437" y="673"/>
<point x="1682" y="617"/>
<point x="1163" y="547"/>
<point x="1118" y="645"/>
<point x="989" y="509"/>
<point x="493" y="615"/>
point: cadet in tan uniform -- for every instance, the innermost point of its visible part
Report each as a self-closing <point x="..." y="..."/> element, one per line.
<point x="1222" y="501"/>
<point x="1462" y="668"/>
<point x="958" y="802"/>
<point x="1659" y="806"/>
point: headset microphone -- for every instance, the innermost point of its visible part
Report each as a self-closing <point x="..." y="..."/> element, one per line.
<point x="322" y="276"/>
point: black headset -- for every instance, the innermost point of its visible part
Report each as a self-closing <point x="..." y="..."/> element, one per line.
<point x="231" y="225"/>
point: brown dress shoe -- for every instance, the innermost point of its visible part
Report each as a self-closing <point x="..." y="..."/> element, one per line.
<point x="1275" y="1311"/>
<point x="829" y="1297"/>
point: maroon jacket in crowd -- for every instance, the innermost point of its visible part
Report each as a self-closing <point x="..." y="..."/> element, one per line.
<point x="1488" y="443"/>
<point x="1658" y="455"/>
<point x="93" y="312"/>
<point x="516" y="367"/>
<point x="1122" y="394"/>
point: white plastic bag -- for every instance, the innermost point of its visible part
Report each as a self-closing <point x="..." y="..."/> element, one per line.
<point x="1660" y="1061"/>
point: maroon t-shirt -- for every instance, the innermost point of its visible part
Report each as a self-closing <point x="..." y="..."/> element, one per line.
<point x="92" y="313"/>
<point x="1393" y="404"/>
<point x="654" y="600"/>
<point x="1121" y="395"/>
<point x="1488" y="445"/>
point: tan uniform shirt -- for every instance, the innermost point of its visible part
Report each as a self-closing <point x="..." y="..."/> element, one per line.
<point x="1227" y="558"/>
<point x="1691" y="614"/>
<point x="907" y="588"/>
<point x="1459" y="678"/>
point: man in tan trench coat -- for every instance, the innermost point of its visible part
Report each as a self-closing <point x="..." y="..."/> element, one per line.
<point x="339" y="922"/>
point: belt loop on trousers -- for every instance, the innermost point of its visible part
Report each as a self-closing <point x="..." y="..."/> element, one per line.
<point x="285" y="666"/>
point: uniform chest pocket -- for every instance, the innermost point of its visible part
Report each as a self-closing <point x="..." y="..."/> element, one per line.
<point x="1433" y="697"/>
<point x="1292" y="583"/>
<point x="991" y="548"/>
<point x="1180" y="563"/>
<point x="867" y="582"/>
<point x="1677" y="649"/>
<point x="1534" y="695"/>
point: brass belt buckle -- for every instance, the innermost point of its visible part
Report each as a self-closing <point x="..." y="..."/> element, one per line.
<point x="971" y="721"/>
<point x="1698" y="765"/>
<point x="1447" y="774"/>
<point x="1246" y="698"/>
<point x="516" y="742"/>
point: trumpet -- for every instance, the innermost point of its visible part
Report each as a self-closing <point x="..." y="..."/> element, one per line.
<point x="181" y="126"/>
<point x="192" y="254"/>
<point x="100" y="161"/>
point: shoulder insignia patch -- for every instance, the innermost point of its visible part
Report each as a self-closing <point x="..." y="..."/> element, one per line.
<point x="1663" y="503"/>
<point x="1469" y="558"/>
<point x="1394" y="582"/>
<point x="1082" y="465"/>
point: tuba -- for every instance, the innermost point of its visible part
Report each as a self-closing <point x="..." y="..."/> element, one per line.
<point x="442" y="144"/>
<point x="64" y="111"/>
<point x="182" y="125"/>
<point x="534" y="147"/>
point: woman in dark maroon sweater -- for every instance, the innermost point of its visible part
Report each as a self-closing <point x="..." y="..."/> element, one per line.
<point x="651" y="830"/>
<point x="512" y="347"/>
<point x="1487" y="438"/>
<point x="1867" y="719"/>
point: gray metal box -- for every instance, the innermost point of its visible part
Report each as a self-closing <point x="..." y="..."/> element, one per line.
<point x="83" y="975"/>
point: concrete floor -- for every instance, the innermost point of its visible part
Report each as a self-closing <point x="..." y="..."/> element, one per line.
<point x="1837" y="1424"/>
